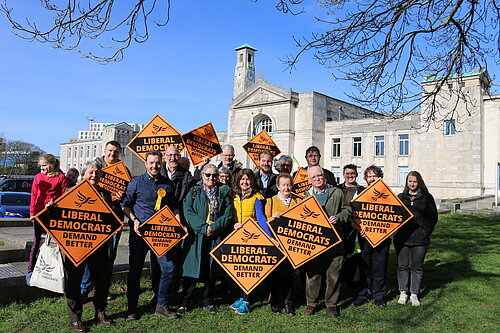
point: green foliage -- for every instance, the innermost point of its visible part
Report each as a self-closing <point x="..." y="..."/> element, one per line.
<point x="459" y="294"/>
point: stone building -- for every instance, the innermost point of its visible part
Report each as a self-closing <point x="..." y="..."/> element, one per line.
<point x="90" y="144"/>
<point x="455" y="159"/>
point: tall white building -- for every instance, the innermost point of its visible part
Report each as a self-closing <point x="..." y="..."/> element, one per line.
<point x="457" y="160"/>
<point x="90" y="144"/>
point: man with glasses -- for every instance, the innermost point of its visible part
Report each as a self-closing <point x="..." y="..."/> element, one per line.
<point x="228" y="160"/>
<point x="329" y="263"/>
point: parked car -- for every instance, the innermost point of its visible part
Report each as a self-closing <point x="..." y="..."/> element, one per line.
<point x="15" y="204"/>
<point x="16" y="185"/>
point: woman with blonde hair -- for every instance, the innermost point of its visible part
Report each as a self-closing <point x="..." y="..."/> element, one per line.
<point x="47" y="186"/>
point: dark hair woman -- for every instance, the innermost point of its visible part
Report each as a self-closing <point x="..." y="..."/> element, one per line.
<point x="207" y="208"/>
<point x="412" y="240"/>
<point x="247" y="202"/>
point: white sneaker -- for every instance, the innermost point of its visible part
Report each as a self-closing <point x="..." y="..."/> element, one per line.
<point x="403" y="298"/>
<point x="414" y="300"/>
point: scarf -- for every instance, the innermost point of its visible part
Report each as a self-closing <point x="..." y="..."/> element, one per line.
<point x="213" y="205"/>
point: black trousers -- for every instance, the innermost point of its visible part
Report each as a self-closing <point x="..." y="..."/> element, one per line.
<point x="373" y="269"/>
<point x="281" y="281"/>
<point x="100" y="272"/>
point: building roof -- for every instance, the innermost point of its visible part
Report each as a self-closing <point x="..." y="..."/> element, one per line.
<point x="433" y="77"/>
<point x="245" y="46"/>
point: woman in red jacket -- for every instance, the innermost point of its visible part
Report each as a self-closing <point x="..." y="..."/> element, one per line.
<point x="47" y="186"/>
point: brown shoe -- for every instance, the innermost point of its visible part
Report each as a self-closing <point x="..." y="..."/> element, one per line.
<point x="132" y="316"/>
<point x="309" y="310"/>
<point x="332" y="311"/>
<point x="163" y="311"/>
<point x="77" y="326"/>
<point x="103" y="318"/>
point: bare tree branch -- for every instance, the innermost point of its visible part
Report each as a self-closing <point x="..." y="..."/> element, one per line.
<point x="386" y="49"/>
<point x="74" y="21"/>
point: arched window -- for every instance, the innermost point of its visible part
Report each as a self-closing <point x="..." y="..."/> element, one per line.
<point x="264" y="124"/>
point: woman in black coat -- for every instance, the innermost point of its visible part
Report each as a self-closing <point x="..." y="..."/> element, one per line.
<point x="412" y="240"/>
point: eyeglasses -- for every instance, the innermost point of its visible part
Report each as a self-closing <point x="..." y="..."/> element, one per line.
<point x="224" y="176"/>
<point x="213" y="175"/>
<point x="317" y="177"/>
<point x="173" y="155"/>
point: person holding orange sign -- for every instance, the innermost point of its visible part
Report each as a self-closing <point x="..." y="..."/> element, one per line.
<point x="412" y="240"/>
<point x="98" y="265"/>
<point x="281" y="279"/>
<point x="247" y="202"/>
<point x="207" y="209"/>
<point x="329" y="263"/>
<point x="146" y="195"/>
<point x="47" y="186"/>
<point x="373" y="260"/>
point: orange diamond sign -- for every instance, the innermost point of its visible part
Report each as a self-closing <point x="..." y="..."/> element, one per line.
<point x="301" y="182"/>
<point x="162" y="231"/>
<point x="115" y="179"/>
<point x="259" y="143"/>
<point x="158" y="134"/>
<point x="202" y="142"/>
<point x="379" y="212"/>
<point x="248" y="255"/>
<point x="80" y="221"/>
<point x="304" y="232"/>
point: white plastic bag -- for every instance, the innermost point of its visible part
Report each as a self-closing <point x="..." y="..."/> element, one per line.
<point x="48" y="273"/>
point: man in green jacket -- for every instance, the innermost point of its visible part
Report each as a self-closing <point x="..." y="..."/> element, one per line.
<point x="337" y="209"/>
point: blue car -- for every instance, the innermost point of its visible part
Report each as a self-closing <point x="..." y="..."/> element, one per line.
<point x="15" y="204"/>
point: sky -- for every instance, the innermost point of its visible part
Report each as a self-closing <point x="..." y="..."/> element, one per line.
<point x="184" y="72"/>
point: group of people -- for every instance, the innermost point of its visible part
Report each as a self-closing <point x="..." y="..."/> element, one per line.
<point x="218" y="199"/>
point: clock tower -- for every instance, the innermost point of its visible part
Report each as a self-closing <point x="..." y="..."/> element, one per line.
<point x="244" y="73"/>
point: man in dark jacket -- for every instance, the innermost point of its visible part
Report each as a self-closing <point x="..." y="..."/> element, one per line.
<point x="182" y="181"/>
<point x="265" y="176"/>
<point x="313" y="156"/>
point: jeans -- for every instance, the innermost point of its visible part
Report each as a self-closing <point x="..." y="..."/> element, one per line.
<point x="373" y="269"/>
<point x="410" y="267"/>
<point x="138" y="249"/>
<point x="86" y="285"/>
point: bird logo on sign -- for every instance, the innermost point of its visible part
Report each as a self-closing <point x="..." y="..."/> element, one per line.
<point x="308" y="213"/>
<point x="249" y="235"/>
<point x="157" y="129"/>
<point x="379" y="195"/>
<point x="117" y="171"/>
<point x="164" y="218"/>
<point x="207" y="133"/>
<point x="43" y="266"/>
<point x="82" y="199"/>
<point x="262" y="139"/>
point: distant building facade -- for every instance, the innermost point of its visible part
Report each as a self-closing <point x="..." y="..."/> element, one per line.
<point x="90" y="144"/>
<point x="456" y="160"/>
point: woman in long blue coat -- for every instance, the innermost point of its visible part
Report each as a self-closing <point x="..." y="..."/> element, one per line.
<point x="207" y="209"/>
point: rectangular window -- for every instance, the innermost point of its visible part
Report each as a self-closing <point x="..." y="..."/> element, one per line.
<point x="88" y="151"/>
<point x="336" y="173"/>
<point x="81" y="151"/>
<point x="449" y="127"/>
<point x="249" y="58"/>
<point x="404" y="144"/>
<point x="336" y="147"/>
<point x="402" y="173"/>
<point x="356" y="146"/>
<point x="69" y="152"/>
<point x="379" y="146"/>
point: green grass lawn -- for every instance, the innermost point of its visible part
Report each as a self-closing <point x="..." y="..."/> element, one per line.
<point x="459" y="295"/>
